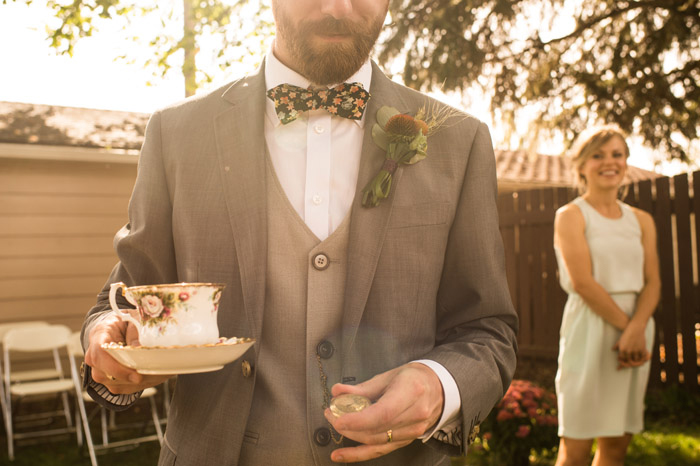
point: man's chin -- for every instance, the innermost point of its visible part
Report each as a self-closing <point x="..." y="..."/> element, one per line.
<point x="334" y="64"/>
<point x="328" y="46"/>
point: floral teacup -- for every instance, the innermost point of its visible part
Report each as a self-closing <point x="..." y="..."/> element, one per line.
<point x="176" y="314"/>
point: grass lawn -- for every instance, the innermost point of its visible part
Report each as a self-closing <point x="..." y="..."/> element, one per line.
<point x="672" y="438"/>
<point x="659" y="446"/>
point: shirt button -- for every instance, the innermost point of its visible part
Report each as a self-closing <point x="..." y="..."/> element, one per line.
<point x="320" y="261"/>
<point x="322" y="436"/>
<point x="319" y="129"/>
<point x="317" y="199"/>
<point x="325" y="349"/>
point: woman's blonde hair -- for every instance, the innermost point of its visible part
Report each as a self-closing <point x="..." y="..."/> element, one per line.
<point x="587" y="143"/>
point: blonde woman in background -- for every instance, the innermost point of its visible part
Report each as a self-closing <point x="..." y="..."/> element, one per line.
<point x="608" y="263"/>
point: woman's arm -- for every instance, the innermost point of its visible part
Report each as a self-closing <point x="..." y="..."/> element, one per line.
<point x="569" y="236"/>
<point x="632" y="344"/>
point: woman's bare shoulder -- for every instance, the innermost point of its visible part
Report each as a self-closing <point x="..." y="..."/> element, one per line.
<point x="569" y="212"/>
<point x="645" y="219"/>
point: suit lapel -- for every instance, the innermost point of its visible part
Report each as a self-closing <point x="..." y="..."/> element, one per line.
<point x="241" y="154"/>
<point x="240" y="143"/>
<point x="368" y="226"/>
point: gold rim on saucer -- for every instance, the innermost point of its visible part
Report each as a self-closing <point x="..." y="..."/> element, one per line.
<point x="221" y="342"/>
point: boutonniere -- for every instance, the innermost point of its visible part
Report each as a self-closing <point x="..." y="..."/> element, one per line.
<point x="405" y="140"/>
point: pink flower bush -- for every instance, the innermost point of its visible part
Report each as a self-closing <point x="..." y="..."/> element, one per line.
<point x="524" y="420"/>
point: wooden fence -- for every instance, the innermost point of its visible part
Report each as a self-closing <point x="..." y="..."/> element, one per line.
<point x="527" y="227"/>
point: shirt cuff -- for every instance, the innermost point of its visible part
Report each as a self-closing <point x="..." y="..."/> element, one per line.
<point x="102" y="396"/>
<point x="451" y="411"/>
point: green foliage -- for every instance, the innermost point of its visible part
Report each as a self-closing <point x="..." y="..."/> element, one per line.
<point x="77" y="20"/>
<point x="67" y="453"/>
<point x="227" y="31"/>
<point x="564" y="64"/>
<point x="634" y="63"/>
<point x="672" y="406"/>
<point x="665" y="445"/>
<point x="657" y="446"/>
<point x="63" y="450"/>
<point x="661" y="444"/>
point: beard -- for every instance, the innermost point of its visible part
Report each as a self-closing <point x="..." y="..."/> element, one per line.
<point x="331" y="62"/>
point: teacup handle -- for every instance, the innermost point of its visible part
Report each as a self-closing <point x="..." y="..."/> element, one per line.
<point x="122" y="313"/>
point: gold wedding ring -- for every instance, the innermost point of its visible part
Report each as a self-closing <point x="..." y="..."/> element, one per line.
<point x="389" y="437"/>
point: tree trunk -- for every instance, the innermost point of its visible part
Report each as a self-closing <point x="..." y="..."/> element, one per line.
<point x="189" y="46"/>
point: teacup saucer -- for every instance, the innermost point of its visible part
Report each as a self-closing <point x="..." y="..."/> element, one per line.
<point x="191" y="359"/>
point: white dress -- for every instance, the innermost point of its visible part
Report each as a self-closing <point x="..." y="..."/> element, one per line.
<point x="594" y="398"/>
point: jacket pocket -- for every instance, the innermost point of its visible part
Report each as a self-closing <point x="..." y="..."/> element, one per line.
<point x="407" y="216"/>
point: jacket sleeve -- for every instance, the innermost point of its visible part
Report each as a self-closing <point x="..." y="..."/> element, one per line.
<point x="476" y="321"/>
<point x="144" y="246"/>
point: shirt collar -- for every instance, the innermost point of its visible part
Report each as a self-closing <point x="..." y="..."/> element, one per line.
<point x="277" y="73"/>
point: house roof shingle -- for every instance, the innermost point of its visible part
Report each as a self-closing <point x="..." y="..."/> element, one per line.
<point x="22" y="123"/>
<point x="518" y="169"/>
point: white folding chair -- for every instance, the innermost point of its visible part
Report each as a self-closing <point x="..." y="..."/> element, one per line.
<point x="18" y="376"/>
<point x="75" y="350"/>
<point x="39" y="340"/>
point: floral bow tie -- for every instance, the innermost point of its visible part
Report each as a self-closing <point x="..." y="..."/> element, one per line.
<point x="347" y="100"/>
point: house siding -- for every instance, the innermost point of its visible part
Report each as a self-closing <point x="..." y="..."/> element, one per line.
<point x="57" y="223"/>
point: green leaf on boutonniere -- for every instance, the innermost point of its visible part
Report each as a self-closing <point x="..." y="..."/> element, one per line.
<point x="380" y="137"/>
<point x="405" y="140"/>
<point x="384" y="114"/>
<point x="419" y="145"/>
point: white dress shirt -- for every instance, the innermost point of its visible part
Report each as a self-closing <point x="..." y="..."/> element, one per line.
<point x="317" y="159"/>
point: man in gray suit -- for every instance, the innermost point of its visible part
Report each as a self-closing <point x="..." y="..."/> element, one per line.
<point x="403" y="300"/>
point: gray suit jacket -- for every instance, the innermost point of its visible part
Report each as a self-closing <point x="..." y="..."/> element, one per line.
<point x="425" y="277"/>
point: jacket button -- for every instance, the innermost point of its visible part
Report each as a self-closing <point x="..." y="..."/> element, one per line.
<point x="246" y="368"/>
<point x="320" y="261"/>
<point x="325" y="349"/>
<point x="322" y="436"/>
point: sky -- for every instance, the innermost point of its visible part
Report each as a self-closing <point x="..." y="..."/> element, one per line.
<point x="32" y="72"/>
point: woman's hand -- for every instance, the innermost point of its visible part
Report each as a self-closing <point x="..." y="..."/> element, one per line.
<point x="632" y="346"/>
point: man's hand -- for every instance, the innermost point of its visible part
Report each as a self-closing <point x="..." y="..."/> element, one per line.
<point x="631" y="347"/>
<point x="409" y="401"/>
<point x="106" y="370"/>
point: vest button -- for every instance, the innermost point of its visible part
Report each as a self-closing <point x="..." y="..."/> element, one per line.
<point x="246" y="368"/>
<point x="322" y="436"/>
<point x="320" y="261"/>
<point x="325" y="349"/>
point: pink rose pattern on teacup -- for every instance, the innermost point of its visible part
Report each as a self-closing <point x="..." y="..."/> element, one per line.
<point x="155" y="307"/>
<point x="151" y="305"/>
<point x="170" y="314"/>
